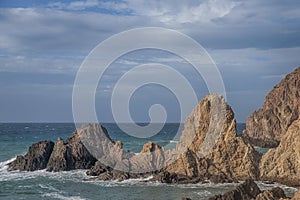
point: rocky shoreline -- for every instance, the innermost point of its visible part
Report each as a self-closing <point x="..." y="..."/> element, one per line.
<point x="209" y="149"/>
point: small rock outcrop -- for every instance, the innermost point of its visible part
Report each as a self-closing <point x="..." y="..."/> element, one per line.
<point x="70" y="155"/>
<point x="246" y="191"/>
<point x="266" y="126"/>
<point x="273" y="194"/>
<point x="250" y="191"/>
<point x="282" y="164"/>
<point x="229" y="157"/>
<point x="35" y="159"/>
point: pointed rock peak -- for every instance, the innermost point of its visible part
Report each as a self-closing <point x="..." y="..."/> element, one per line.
<point x="150" y="147"/>
<point x="119" y="144"/>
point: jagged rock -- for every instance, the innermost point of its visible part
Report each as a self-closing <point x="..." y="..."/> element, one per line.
<point x="36" y="158"/>
<point x="273" y="194"/>
<point x="266" y="126"/>
<point x="246" y="191"/>
<point x="250" y="191"/>
<point x="282" y="164"/>
<point x="97" y="169"/>
<point x="70" y="155"/>
<point x="223" y="158"/>
<point x="105" y="173"/>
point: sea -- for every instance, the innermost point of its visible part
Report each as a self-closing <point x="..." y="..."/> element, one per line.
<point x="15" y="139"/>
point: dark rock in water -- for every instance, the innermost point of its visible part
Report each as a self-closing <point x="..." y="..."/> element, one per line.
<point x="36" y="158"/>
<point x="246" y="191"/>
<point x="98" y="169"/>
<point x="105" y="173"/>
<point x="266" y="126"/>
<point x="250" y="191"/>
<point x="70" y="155"/>
<point x="273" y="194"/>
<point x="185" y="198"/>
<point x="166" y="177"/>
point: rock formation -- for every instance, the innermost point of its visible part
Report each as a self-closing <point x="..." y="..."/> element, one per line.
<point x="273" y="194"/>
<point x="70" y="155"/>
<point x="36" y="158"/>
<point x="282" y="164"/>
<point x="230" y="158"/>
<point x="250" y="191"/>
<point x="266" y="126"/>
<point x="246" y="191"/>
<point x="208" y="149"/>
<point x="61" y="156"/>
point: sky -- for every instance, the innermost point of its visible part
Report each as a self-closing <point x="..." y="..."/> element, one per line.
<point x="43" y="43"/>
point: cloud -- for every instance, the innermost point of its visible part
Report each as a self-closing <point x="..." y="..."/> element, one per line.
<point x="253" y="43"/>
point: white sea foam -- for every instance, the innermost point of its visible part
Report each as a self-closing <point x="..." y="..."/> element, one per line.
<point x="4" y="166"/>
<point x="57" y="195"/>
<point x="204" y="193"/>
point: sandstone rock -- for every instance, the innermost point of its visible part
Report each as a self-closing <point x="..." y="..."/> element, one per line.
<point x="225" y="157"/>
<point x="296" y="196"/>
<point x="282" y="164"/>
<point x="246" y="191"/>
<point x="70" y="155"/>
<point x="266" y="126"/>
<point x="36" y="158"/>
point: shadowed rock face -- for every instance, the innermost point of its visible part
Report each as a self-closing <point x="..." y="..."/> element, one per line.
<point x="266" y="126"/>
<point x="70" y="155"/>
<point x="36" y="158"/>
<point x="282" y="164"/>
<point x="61" y="156"/>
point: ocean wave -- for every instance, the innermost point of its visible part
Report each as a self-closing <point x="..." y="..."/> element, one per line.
<point x="204" y="193"/>
<point x="57" y="195"/>
<point x="4" y="166"/>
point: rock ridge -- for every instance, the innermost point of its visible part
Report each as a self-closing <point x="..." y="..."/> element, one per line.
<point x="281" y="107"/>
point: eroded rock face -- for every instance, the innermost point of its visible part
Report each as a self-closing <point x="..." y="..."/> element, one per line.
<point x="230" y="158"/>
<point x="70" y="155"/>
<point x="36" y="158"/>
<point x="282" y="164"/>
<point x="266" y="126"/>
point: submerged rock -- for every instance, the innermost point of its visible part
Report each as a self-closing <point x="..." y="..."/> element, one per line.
<point x="282" y="164"/>
<point x="35" y="159"/>
<point x="266" y="126"/>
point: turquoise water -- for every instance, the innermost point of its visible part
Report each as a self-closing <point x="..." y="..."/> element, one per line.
<point x="16" y="138"/>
